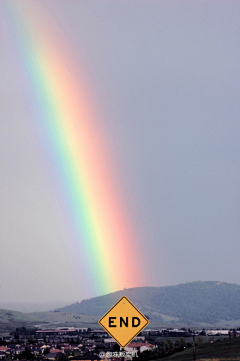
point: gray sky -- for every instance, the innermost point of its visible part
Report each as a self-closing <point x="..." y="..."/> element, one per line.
<point x="166" y="77"/>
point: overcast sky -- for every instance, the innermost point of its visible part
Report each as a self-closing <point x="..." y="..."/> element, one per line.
<point x="165" y="75"/>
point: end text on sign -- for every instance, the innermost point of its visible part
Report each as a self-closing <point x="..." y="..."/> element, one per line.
<point x="121" y="322"/>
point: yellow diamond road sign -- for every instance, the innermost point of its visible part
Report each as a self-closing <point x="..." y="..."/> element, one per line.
<point x="123" y="321"/>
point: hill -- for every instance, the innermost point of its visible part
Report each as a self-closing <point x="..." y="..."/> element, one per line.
<point x="10" y="320"/>
<point x="27" y="307"/>
<point x="189" y="303"/>
<point x="220" y="350"/>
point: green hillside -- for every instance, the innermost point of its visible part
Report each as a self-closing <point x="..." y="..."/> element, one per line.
<point x="225" y="350"/>
<point x="196" y="304"/>
<point x="189" y="303"/>
<point x="10" y="320"/>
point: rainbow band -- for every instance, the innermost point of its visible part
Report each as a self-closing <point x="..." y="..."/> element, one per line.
<point x="78" y="148"/>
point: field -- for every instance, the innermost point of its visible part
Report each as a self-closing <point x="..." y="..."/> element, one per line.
<point x="224" y="350"/>
<point x="10" y="320"/>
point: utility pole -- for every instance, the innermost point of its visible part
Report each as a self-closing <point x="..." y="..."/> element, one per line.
<point x="194" y="349"/>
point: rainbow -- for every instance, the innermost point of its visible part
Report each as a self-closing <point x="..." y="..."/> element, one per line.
<point x="68" y="120"/>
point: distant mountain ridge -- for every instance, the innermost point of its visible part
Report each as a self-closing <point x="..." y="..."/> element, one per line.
<point x="27" y="307"/>
<point x="194" y="302"/>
